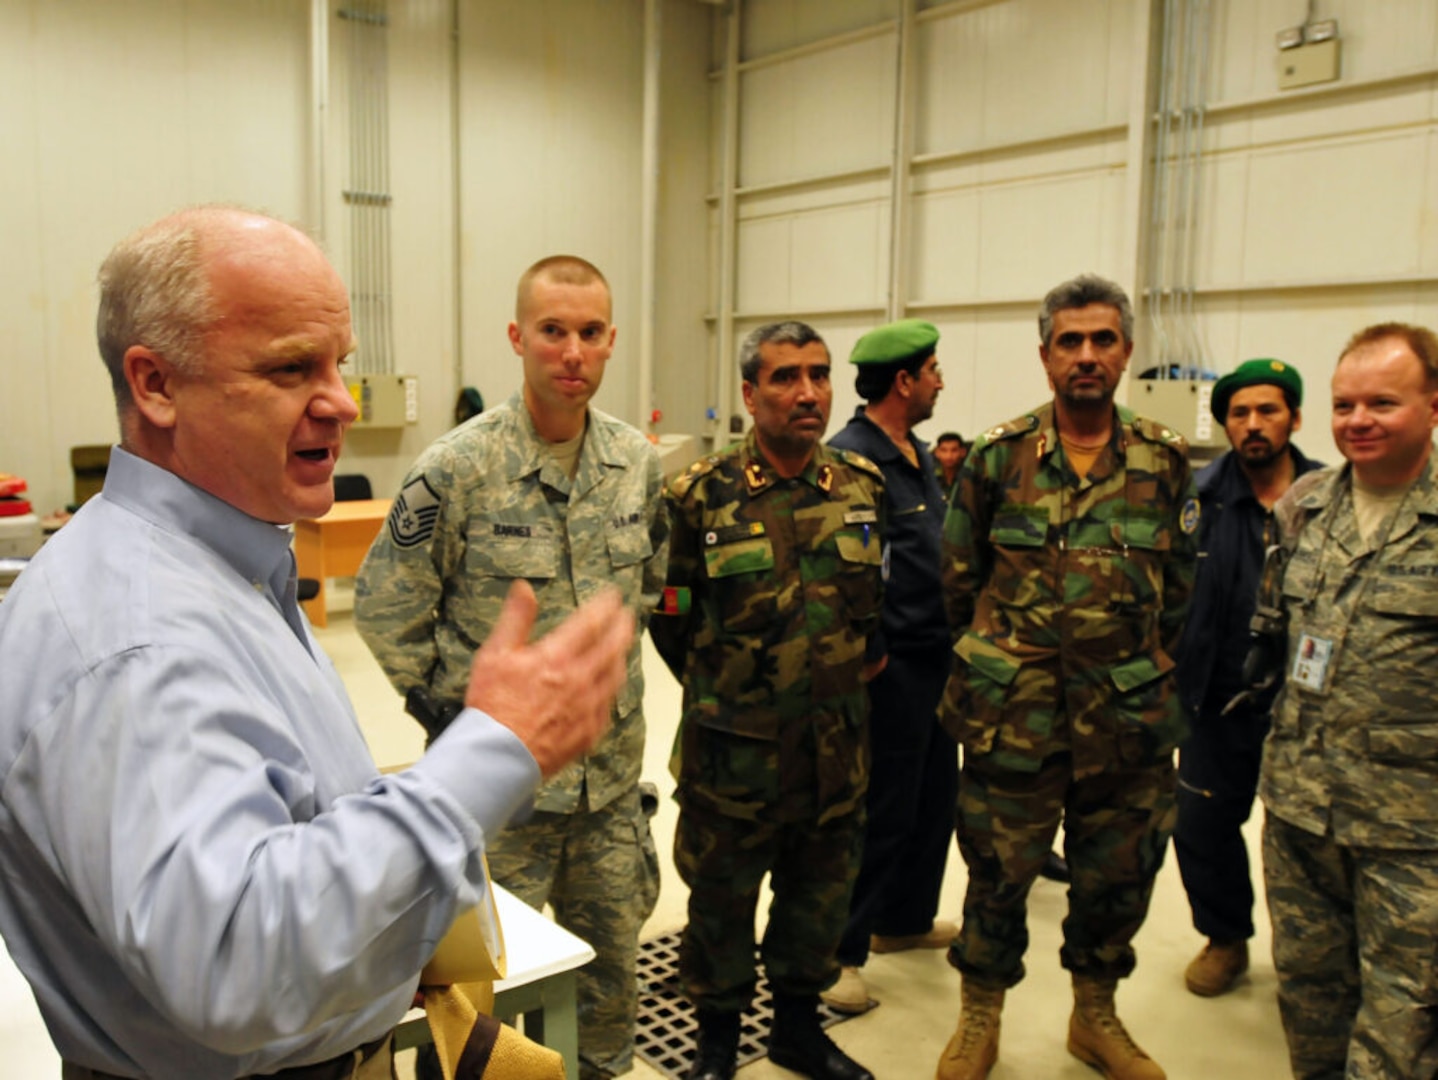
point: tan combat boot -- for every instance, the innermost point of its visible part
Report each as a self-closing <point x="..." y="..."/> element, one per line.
<point x="1097" y="1036"/>
<point x="1217" y="968"/>
<point x="974" y="1047"/>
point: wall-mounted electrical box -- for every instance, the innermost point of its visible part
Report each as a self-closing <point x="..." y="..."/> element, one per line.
<point x="385" y="401"/>
<point x="1183" y="405"/>
<point x="1308" y="64"/>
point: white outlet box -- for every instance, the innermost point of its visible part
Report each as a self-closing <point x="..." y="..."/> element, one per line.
<point x="1308" y="64"/>
<point x="411" y="399"/>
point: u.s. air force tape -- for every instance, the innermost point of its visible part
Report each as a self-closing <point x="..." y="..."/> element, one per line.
<point x="414" y="513"/>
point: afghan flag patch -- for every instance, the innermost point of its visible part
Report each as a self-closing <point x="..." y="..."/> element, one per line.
<point x="674" y="600"/>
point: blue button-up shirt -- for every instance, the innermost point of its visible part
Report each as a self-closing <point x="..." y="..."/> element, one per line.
<point x="201" y="872"/>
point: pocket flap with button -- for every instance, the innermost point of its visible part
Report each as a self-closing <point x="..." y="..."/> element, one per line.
<point x="535" y="556"/>
<point x="629" y="545"/>
<point x="1015" y="525"/>
<point x="1404" y="742"/>
<point x="988" y="659"/>
<point x="1139" y="671"/>
<point x="748" y="556"/>
<point x="859" y="547"/>
<point x="1407" y="596"/>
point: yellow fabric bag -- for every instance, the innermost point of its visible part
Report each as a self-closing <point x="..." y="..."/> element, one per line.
<point x="458" y="988"/>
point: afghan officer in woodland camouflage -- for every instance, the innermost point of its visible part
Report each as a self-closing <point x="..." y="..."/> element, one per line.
<point x="1350" y="769"/>
<point x="775" y="583"/>
<point x="1068" y="562"/>
<point x="547" y="489"/>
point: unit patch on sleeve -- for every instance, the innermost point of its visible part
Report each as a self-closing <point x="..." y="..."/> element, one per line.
<point x="674" y="600"/>
<point x="1188" y="516"/>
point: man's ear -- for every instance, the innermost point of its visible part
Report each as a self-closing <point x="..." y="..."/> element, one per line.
<point x="514" y="339"/>
<point x="151" y="380"/>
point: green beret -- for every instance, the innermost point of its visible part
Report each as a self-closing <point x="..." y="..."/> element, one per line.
<point x="902" y="340"/>
<point x="1256" y="373"/>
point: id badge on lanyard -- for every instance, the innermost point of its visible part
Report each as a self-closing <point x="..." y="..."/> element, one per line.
<point x="1311" y="662"/>
<point x="1315" y="656"/>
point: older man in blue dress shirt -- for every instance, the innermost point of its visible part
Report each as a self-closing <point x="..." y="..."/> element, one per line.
<point x="202" y="874"/>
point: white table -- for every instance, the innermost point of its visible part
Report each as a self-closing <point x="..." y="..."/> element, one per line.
<point x="540" y="986"/>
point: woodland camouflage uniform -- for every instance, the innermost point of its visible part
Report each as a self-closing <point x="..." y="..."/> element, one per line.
<point x="774" y="585"/>
<point x="1067" y="596"/>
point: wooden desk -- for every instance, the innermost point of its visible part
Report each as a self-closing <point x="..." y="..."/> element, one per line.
<point x="335" y="545"/>
<point x="543" y="957"/>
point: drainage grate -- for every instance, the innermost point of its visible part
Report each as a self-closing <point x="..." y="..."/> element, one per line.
<point x="664" y="1038"/>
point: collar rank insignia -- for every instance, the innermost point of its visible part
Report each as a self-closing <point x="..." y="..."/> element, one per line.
<point x="754" y="476"/>
<point x="825" y="479"/>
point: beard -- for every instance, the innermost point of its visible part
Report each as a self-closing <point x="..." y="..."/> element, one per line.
<point x="1260" y="453"/>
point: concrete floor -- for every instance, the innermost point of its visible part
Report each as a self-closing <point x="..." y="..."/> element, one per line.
<point x="1236" y="1037"/>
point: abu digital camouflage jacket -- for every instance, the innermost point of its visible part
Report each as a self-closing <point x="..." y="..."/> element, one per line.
<point x="485" y="505"/>
<point x="1354" y="744"/>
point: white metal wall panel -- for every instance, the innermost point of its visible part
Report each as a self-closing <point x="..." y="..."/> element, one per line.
<point x="685" y="270"/>
<point x="33" y="378"/>
<point x="550" y="151"/>
<point x="819" y="260"/>
<point x="945" y="267"/>
<point x="991" y="366"/>
<point x="1050" y="159"/>
<point x="1308" y="328"/>
<point x="1378" y="39"/>
<point x="1022" y="70"/>
<point x="818" y="113"/>
<point x="1312" y="211"/>
<point x="1377" y="109"/>
<point x="771" y="26"/>
<point x="949" y="56"/>
<point x="839" y="257"/>
<point x="983" y="225"/>
<point x="114" y="115"/>
<point x="1035" y="235"/>
<point x="422" y="230"/>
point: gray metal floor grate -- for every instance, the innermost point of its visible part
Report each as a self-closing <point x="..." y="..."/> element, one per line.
<point x="664" y="1039"/>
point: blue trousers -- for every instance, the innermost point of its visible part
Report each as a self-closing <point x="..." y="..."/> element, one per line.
<point x="913" y="789"/>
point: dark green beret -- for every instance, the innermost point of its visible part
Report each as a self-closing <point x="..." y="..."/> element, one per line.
<point x="902" y="340"/>
<point x="1256" y="373"/>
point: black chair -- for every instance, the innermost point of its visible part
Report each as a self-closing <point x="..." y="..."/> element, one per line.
<point x="349" y="487"/>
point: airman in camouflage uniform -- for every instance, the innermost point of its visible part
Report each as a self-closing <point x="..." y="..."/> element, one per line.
<point x="1350" y="769"/>
<point x="774" y="585"/>
<point x="496" y="500"/>
<point x="1069" y="558"/>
